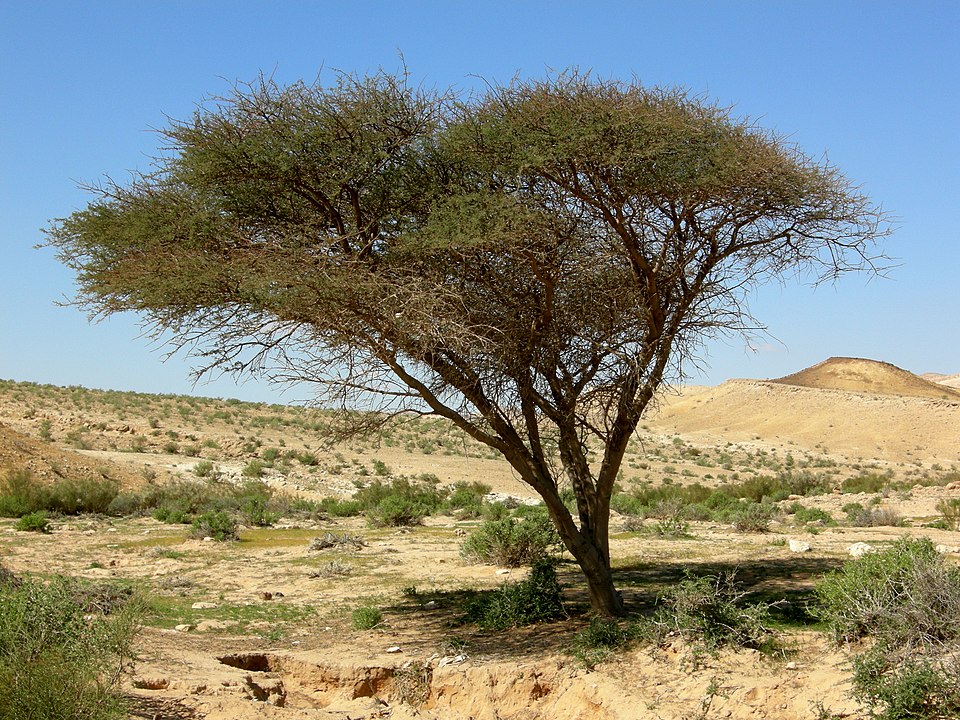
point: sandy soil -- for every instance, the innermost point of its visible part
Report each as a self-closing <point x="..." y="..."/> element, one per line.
<point x="273" y="638"/>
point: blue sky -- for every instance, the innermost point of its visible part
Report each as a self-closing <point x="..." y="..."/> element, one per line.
<point x="873" y="86"/>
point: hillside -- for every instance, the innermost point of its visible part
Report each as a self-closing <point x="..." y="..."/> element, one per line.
<point x="952" y="381"/>
<point x="866" y="376"/>
<point x="858" y="408"/>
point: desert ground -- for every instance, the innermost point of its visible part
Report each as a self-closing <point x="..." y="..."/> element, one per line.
<point x="261" y="627"/>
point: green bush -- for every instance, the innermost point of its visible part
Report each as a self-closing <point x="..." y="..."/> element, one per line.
<point x="60" y="657"/>
<point x="865" y="484"/>
<point x="907" y="688"/>
<point x="255" y="512"/>
<point x="399" y="502"/>
<point x="467" y="499"/>
<point x="20" y="494"/>
<point x="753" y="517"/>
<point x="598" y="641"/>
<point x="803" y="515"/>
<point x="512" y="542"/>
<point x="366" y="617"/>
<point x="218" y="525"/>
<point x="536" y="599"/>
<point x="709" y="610"/>
<point x="72" y="497"/>
<point x="905" y="596"/>
<point x="33" y="522"/>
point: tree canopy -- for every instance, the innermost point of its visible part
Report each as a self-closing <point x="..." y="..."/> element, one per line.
<point x="531" y="263"/>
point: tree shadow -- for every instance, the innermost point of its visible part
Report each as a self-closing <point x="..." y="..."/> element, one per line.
<point x="785" y="584"/>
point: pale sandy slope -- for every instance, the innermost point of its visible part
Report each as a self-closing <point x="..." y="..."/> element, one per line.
<point x="888" y="427"/>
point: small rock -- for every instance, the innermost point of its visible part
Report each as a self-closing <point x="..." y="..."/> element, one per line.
<point x="503" y="571"/>
<point x="394" y="649"/>
<point x="432" y="605"/>
<point x="791" y="665"/>
<point x="266" y="596"/>
<point x="203" y="606"/>
<point x="859" y="549"/>
<point x="208" y="539"/>
<point x="948" y="549"/>
<point x="183" y="628"/>
<point x="799" y="546"/>
<point x="278" y="595"/>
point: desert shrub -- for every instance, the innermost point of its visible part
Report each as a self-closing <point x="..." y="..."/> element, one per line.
<point x="253" y="469"/>
<point x="909" y="688"/>
<point x="709" y="610"/>
<point x="412" y="683"/>
<point x="72" y="497"/>
<point x="171" y="516"/>
<point x="20" y="494"/>
<point x="753" y="517"/>
<point x="340" y="508"/>
<point x="33" y="522"/>
<point x="467" y="499"/>
<point x="125" y="504"/>
<point x="512" y="541"/>
<point x="218" y="525"/>
<point x="54" y="661"/>
<point x="803" y="514"/>
<point x="366" y="617"/>
<point x="598" y="641"/>
<point x="865" y="484"/>
<point x="859" y="516"/>
<point x="950" y="510"/>
<point x="398" y="502"/>
<point x="204" y="469"/>
<point x="535" y="599"/>
<point x="256" y="512"/>
<point x="904" y="595"/>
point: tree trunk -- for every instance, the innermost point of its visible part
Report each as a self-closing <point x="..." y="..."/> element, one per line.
<point x="605" y="600"/>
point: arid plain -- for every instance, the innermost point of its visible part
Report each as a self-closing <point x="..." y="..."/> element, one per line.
<point x="261" y="627"/>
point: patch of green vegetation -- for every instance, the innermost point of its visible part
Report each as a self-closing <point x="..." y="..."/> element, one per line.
<point x="366" y="617"/>
<point x="511" y="541"/>
<point x="62" y="650"/>
<point x="538" y="598"/>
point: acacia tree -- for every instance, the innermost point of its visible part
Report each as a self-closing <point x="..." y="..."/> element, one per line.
<point x="532" y="263"/>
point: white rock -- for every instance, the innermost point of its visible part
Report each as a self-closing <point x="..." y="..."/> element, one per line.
<point x="394" y="649"/>
<point x="948" y="549"/>
<point x="859" y="549"/>
<point x="799" y="546"/>
<point x="203" y="606"/>
<point x="183" y="628"/>
<point x="503" y="572"/>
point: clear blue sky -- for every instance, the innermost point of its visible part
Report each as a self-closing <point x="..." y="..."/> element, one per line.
<point x="873" y="85"/>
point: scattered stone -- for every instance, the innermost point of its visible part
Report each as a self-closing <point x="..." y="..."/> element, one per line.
<point x="208" y="539"/>
<point x="432" y="605"/>
<point x="183" y="628"/>
<point x="948" y="549"/>
<point x="859" y="549"/>
<point x="503" y="571"/>
<point x="203" y="606"/>
<point x="791" y="665"/>
<point x="266" y="595"/>
<point x="208" y="625"/>
<point x="158" y="683"/>
<point x="278" y="594"/>
<point x="394" y="649"/>
<point x="799" y="546"/>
